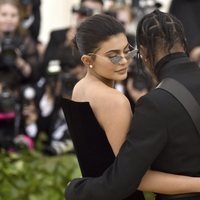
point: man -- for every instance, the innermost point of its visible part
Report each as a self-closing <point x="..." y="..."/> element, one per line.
<point x="162" y="135"/>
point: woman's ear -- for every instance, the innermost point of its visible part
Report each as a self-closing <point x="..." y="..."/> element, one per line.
<point x="87" y="60"/>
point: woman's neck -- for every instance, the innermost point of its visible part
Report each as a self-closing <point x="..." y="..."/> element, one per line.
<point x="91" y="74"/>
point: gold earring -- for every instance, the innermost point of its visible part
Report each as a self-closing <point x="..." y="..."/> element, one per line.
<point x="90" y="66"/>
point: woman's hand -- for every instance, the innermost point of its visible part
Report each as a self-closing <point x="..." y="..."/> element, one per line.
<point x="23" y="66"/>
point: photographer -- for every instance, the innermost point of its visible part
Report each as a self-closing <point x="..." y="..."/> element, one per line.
<point x="139" y="81"/>
<point x="18" y="50"/>
<point x="61" y="76"/>
<point x="18" y="67"/>
<point x="51" y="119"/>
<point x="58" y="37"/>
<point x="31" y="17"/>
<point x="28" y="129"/>
<point x="18" y="114"/>
<point x="9" y="111"/>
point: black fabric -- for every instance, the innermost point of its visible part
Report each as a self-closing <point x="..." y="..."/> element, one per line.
<point x="174" y="58"/>
<point x="192" y="196"/>
<point x="35" y="27"/>
<point x="187" y="11"/>
<point x="92" y="148"/>
<point x="57" y="38"/>
<point x="162" y="136"/>
<point x="184" y="97"/>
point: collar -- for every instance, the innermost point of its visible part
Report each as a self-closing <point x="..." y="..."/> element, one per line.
<point x="168" y="63"/>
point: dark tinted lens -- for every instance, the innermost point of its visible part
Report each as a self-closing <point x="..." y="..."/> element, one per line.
<point x="115" y="60"/>
<point x="131" y="54"/>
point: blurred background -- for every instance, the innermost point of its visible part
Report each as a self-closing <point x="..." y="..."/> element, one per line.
<point x="37" y="69"/>
<point x="63" y="18"/>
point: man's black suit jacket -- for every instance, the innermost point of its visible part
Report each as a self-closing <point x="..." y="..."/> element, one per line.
<point x="162" y="136"/>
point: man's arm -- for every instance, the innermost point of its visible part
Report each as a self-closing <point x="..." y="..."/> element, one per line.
<point x="146" y="139"/>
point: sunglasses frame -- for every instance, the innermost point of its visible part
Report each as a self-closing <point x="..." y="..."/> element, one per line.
<point x="116" y="59"/>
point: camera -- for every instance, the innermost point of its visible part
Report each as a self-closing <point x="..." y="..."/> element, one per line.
<point x="8" y="51"/>
<point x="53" y="69"/>
<point x="148" y="6"/>
<point x="7" y="102"/>
<point x="55" y="73"/>
<point x="84" y="11"/>
<point x="28" y="95"/>
<point x="26" y="2"/>
<point x="141" y="78"/>
<point x="68" y="83"/>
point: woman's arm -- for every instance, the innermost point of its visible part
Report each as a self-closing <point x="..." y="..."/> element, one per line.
<point x="115" y="117"/>
<point x="164" y="183"/>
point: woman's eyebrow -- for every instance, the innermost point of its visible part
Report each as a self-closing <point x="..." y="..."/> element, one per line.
<point x="116" y="50"/>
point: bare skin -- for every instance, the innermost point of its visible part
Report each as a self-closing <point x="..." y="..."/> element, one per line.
<point x="113" y="112"/>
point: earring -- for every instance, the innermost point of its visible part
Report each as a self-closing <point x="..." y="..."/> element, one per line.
<point x="90" y="66"/>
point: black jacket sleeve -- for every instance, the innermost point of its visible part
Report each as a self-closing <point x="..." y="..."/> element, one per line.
<point x="146" y="139"/>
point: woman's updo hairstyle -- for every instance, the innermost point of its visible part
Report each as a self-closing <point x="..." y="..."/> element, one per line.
<point x="94" y="30"/>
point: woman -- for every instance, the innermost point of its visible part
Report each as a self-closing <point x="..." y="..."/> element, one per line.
<point x="98" y="110"/>
<point x="18" y="50"/>
<point x="18" y="67"/>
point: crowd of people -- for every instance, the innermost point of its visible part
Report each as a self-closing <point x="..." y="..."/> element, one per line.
<point x="25" y="107"/>
<point x="32" y="83"/>
<point x="103" y="71"/>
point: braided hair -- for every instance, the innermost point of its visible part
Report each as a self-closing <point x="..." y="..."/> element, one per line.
<point x="159" y="30"/>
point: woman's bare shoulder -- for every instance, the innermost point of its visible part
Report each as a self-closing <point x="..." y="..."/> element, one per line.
<point x="108" y="100"/>
<point x="113" y="96"/>
<point x="99" y="95"/>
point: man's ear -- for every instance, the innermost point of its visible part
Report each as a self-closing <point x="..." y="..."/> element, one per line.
<point x="87" y="60"/>
<point x="143" y="51"/>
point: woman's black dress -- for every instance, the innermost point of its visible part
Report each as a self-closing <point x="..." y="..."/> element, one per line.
<point x="92" y="148"/>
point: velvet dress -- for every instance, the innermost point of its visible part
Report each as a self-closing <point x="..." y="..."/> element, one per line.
<point x="91" y="146"/>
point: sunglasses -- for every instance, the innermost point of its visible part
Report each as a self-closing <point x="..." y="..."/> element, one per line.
<point x="117" y="58"/>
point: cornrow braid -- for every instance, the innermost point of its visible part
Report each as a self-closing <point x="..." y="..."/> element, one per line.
<point x="159" y="29"/>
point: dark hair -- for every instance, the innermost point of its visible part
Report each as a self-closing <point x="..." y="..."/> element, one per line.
<point x="94" y="30"/>
<point x="159" y="30"/>
<point x="97" y="1"/>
